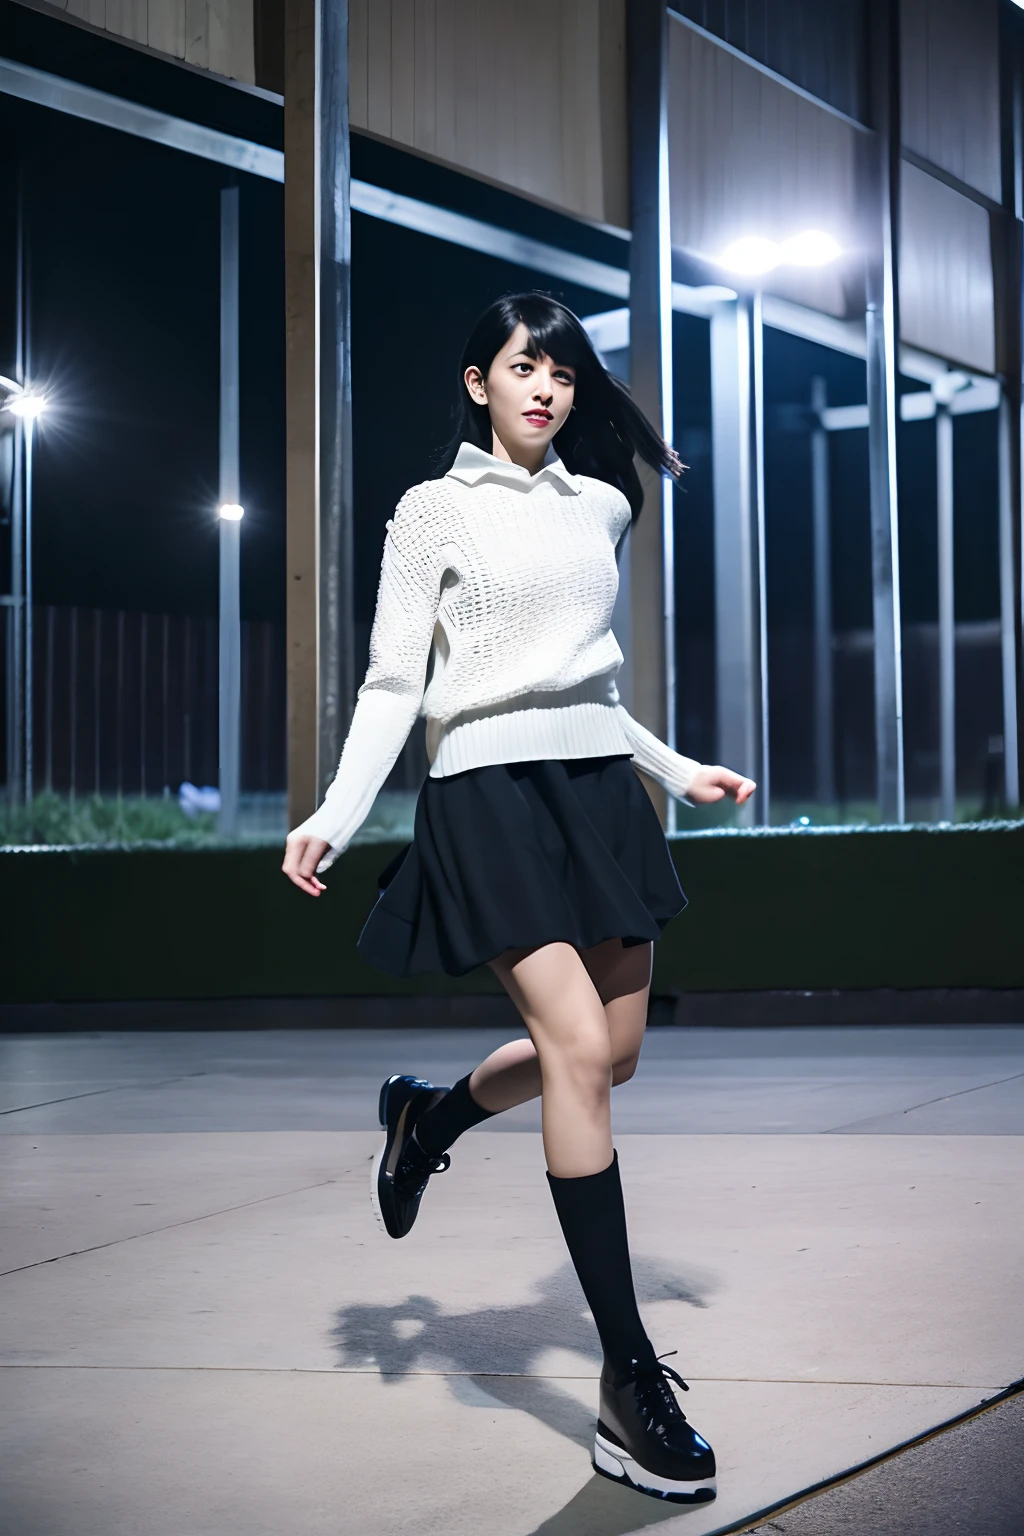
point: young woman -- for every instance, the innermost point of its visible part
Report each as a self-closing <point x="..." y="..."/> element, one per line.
<point x="536" y="848"/>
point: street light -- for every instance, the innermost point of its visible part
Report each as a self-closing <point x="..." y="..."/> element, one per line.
<point x="230" y="513"/>
<point x="27" y="406"/>
<point x="754" y="255"/>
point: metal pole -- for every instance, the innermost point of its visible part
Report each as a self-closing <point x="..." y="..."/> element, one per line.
<point x="1007" y="603"/>
<point x="230" y="492"/>
<point x="142" y="705"/>
<point x="265" y="708"/>
<point x="73" y="701"/>
<point x="186" y="697"/>
<point x="1010" y="332"/>
<point x="49" y="697"/>
<point x="652" y="552"/>
<point x="336" y="639"/>
<point x="947" y="627"/>
<point x="882" y="324"/>
<point x="97" y="683"/>
<point x="119" y="705"/>
<point x="737" y="629"/>
<point x="29" y="425"/>
<point x="824" y="706"/>
<point x="16" y="611"/>
<point x="763" y="798"/>
<point x="164" y="690"/>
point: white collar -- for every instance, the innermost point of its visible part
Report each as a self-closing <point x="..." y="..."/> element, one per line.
<point x="473" y="464"/>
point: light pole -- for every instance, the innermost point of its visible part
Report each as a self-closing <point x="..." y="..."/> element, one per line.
<point x="26" y="405"/>
<point x="742" y="636"/>
<point x="230" y="511"/>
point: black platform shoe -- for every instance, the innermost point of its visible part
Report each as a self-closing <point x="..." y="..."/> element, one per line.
<point x="402" y="1168"/>
<point x="644" y="1440"/>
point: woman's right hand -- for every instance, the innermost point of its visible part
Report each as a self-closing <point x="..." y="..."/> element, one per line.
<point x="302" y="854"/>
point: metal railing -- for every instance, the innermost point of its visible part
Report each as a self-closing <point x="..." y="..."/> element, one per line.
<point x="126" y="702"/>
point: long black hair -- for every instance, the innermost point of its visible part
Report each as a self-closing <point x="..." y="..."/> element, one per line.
<point x="606" y="428"/>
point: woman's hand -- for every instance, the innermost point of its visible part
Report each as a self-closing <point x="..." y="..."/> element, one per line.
<point x="302" y="854"/>
<point x="710" y="784"/>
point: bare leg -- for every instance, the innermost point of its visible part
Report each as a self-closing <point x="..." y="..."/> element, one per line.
<point x="563" y="1011"/>
<point x="621" y="976"/>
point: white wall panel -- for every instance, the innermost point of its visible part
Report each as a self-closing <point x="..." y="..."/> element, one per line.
<point x="213" y="34"/>
<point x="167" y="27"/>
<point x="749" y="156"/>
<point x="530" y="95"/>
<point x="947" y="301"/>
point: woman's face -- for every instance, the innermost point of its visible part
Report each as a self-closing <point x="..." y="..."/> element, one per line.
<point x="528" y="397"/>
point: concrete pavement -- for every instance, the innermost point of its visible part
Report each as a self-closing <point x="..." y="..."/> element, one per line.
<point x="204" y="1330"/>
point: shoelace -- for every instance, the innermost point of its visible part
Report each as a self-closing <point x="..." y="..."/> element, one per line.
<point x="652" y="1384"/>
<point x="415" y="1166"/>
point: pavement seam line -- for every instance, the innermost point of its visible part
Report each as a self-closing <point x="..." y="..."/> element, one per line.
<point x="942" y="1099"/>
<point x="92" y="1093"/>
<point x="169" y="1227"/>
<point x="324" y="1370"/>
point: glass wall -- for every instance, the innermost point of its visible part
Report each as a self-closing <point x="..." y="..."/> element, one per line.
<point x="120" y="241"/>
<point x="819" y="589"/>
<point x="120" y="244"/>
<point x="818" y="564"/>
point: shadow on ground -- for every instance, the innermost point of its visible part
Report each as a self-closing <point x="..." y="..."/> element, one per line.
<point x="418" y="1335"/>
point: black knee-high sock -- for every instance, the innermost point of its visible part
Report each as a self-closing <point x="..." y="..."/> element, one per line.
<point x="593" y="1219"/>
<point x="437" y="1128"/>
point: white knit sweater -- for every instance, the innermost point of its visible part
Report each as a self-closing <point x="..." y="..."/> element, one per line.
<point x="493" y="620"/>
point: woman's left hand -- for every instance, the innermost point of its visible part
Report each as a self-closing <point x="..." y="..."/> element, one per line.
<point x="710" y="784"/>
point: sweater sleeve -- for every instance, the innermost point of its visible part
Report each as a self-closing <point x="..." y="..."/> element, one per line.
<point x="670" y="769"/>
<point x="390" y="695"/>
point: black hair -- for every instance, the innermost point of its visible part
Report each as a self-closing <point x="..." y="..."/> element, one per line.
<point x="606" y="428"/>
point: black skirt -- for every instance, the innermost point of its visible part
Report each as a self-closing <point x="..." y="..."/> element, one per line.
<point x="522" y="854"/>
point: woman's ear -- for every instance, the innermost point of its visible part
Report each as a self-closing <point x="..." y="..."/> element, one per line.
<point x="475" y="384"/>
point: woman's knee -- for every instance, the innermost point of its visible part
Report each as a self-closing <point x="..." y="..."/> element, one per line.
<point x="583" y="1053"/>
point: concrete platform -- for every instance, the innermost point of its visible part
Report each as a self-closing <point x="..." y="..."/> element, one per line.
<point x="203" y="1330"/>
<point x="909" y="1080"/>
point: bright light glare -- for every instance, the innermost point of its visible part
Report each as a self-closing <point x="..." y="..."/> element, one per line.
<point x="811" y="248"/>
<point x="28" y="407"/>
<point x="752" y="255"/>
<point x="231" y="512"/>
<point x="714" y="292"/>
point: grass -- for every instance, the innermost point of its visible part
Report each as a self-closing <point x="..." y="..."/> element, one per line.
<point x="53" y="819"/>
<point x="56" y="819"/>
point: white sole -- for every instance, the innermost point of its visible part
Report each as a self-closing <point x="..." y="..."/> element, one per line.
<point x="374" y="1175"/>
<point x="375" y="1165"/>
<point x="378" y="1160"/>
<point x="613" y="1461"/>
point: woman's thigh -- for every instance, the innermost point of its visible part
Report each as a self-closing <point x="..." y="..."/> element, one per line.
<point x="557" y="999"/>
<point x="621" y="975"/>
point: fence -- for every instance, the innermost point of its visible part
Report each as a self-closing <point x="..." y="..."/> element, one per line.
<point x="126" y="702"/>
<point x="851" y="771"/>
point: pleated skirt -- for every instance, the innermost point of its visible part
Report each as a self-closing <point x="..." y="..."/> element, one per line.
<point x="515" y="855"/>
